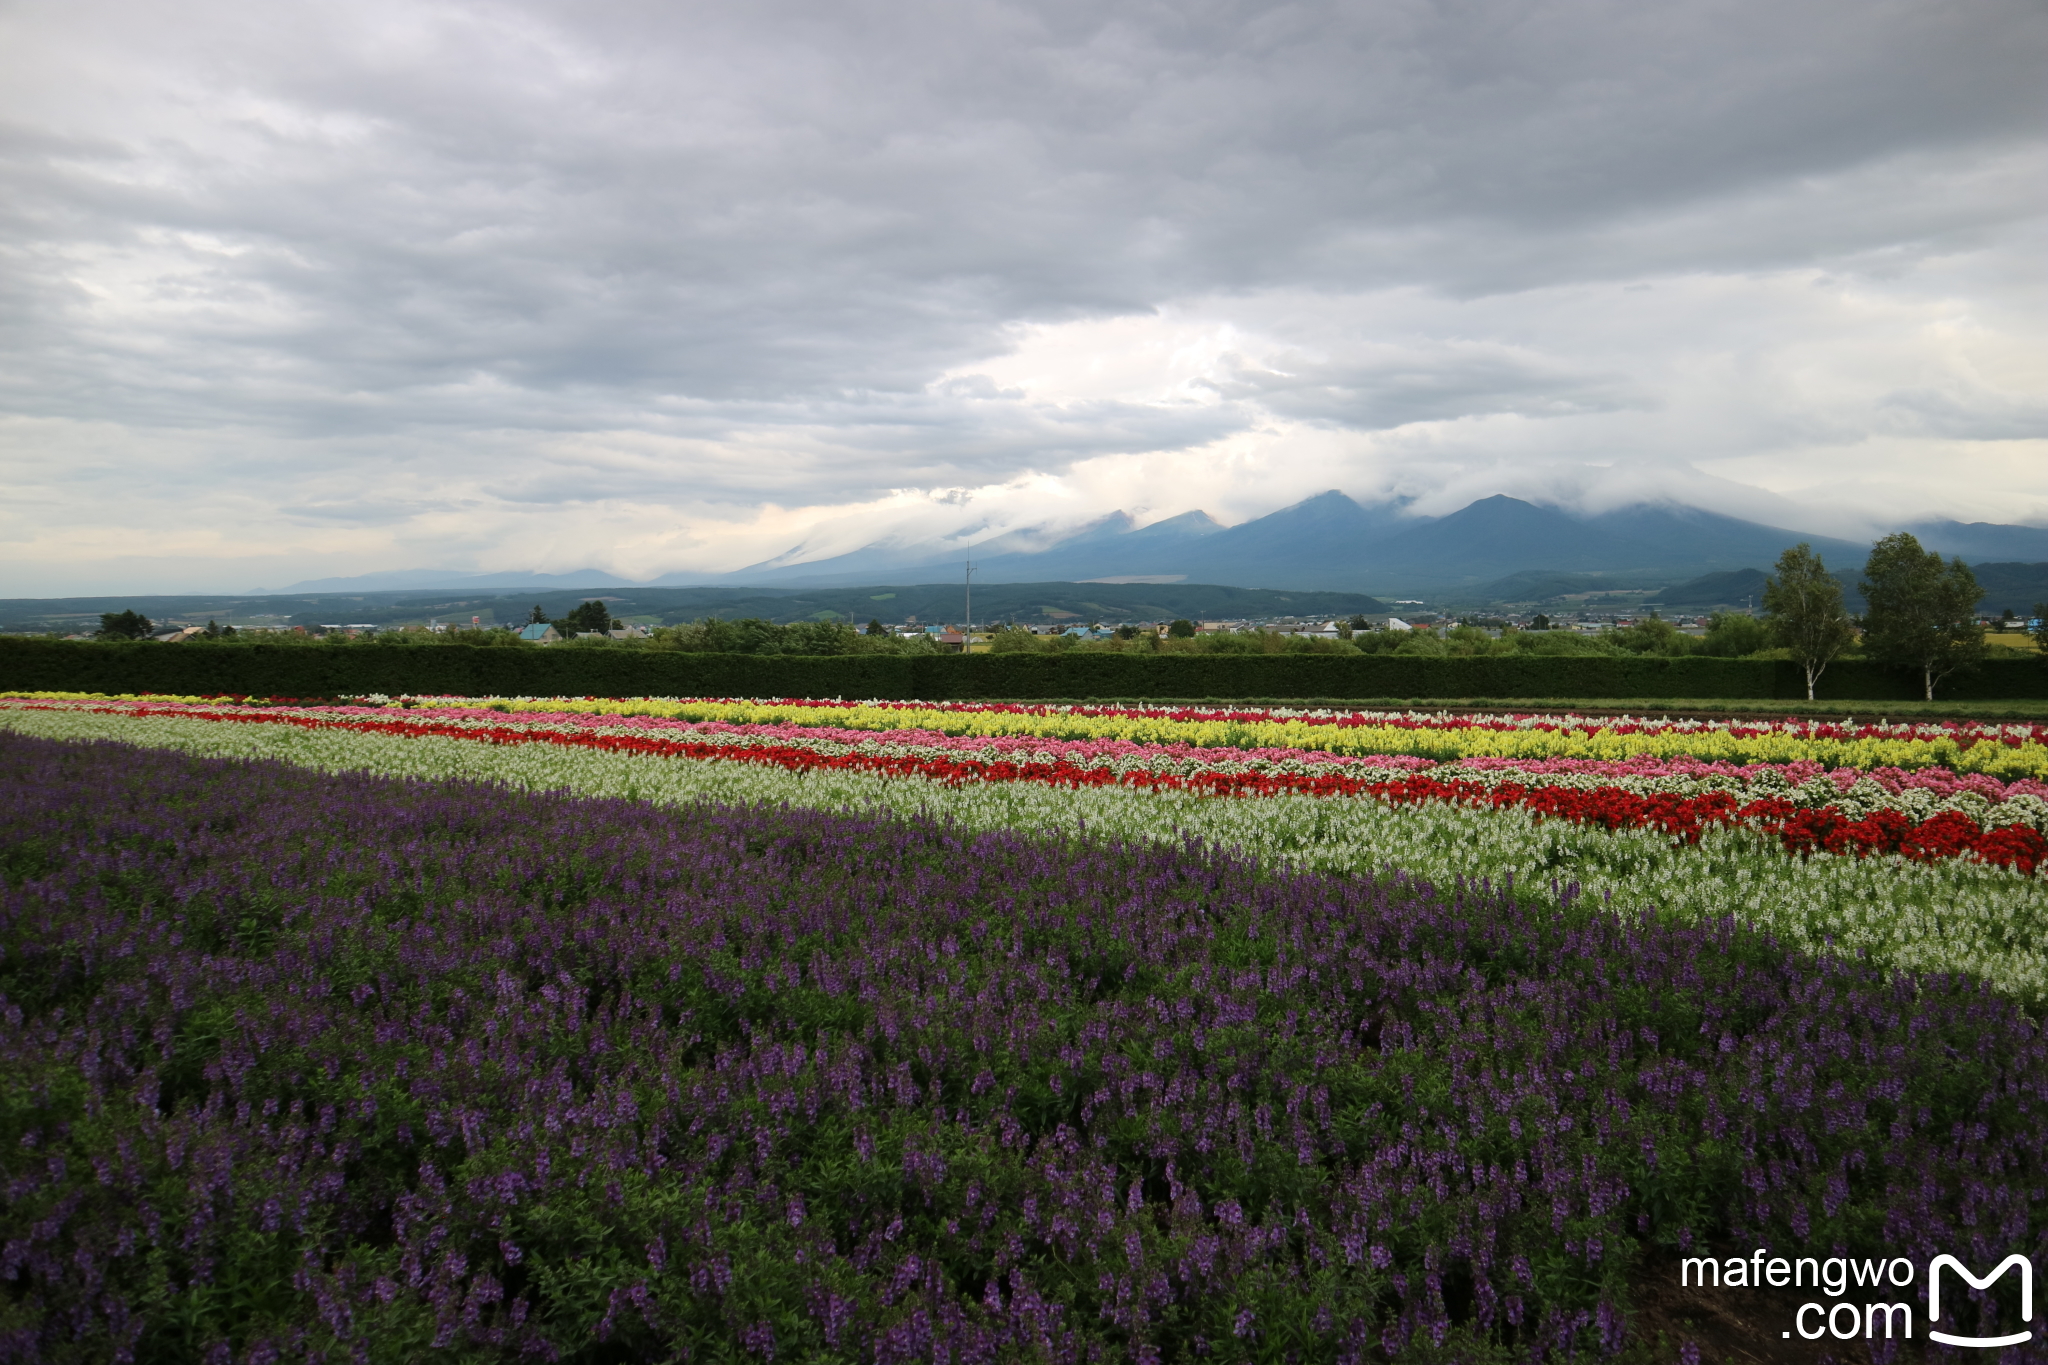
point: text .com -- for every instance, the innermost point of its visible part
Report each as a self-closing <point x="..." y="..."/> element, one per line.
<point x="1836" y="1276"/>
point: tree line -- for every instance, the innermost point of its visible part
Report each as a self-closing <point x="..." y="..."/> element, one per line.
<point x="1920" y="613"/>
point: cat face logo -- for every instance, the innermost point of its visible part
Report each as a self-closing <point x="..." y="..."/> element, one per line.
<point x="2026" y="1269"/>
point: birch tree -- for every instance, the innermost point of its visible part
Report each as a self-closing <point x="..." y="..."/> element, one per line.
<point x="1804" y="602"/>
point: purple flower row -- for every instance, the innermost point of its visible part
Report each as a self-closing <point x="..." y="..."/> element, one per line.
<point x="305" y="1065"/>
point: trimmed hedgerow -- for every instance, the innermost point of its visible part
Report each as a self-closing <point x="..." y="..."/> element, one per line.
<point x="461" y="670"/>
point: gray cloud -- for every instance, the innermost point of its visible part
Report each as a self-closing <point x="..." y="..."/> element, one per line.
<point x="1424" y="384"/>
<point x="499" y="251"/>
<point x="1973" y="413"/>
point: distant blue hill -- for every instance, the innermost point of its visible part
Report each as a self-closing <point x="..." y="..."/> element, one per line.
<point x="401" y="580"/>
<point x="1099" y="549"/>
<point x="2019" y="588"/>
<point x="1329" y="542"/>
<point x="1657" y="542"/>
<point x="1733" y="588"/>
<point x="1980" y="542"/>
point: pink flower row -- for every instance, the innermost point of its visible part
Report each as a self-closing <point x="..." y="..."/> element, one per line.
<point x="1940" y="781"/>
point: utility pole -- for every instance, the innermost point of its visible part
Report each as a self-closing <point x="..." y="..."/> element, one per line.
<point x="967" y="635"/>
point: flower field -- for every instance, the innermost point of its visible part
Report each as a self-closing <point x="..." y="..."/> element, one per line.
<point x="815" y="1031"/>
<point x="1923" y="868"/>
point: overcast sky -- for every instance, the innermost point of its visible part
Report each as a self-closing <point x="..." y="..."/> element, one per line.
<point x="300" y="289"/>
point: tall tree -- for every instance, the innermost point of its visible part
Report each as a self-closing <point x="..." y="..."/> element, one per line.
<point x="1922" y="611"/>
<point x="1804" y="602"/>
<point x="124" y="625"/>
<point x="591" y="616"/>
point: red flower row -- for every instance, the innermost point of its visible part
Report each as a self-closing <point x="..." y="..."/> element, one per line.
<point x="1802" y="831"/>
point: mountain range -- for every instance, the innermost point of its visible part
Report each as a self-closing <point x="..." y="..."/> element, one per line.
<point x="407" y="580"/>
<point x="1328" y="542"/>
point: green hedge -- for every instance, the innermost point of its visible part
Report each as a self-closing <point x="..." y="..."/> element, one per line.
<point x="307" y="671"/>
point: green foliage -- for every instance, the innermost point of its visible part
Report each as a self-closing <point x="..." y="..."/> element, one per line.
<point x="1012" y="639"/>
<point x="125" y="625"/>
<point x="1561" y="644"/>
<point x="1804" y="601"/>
<point x="1922" y="612"/>
<point x="593" y="615"/>
<point x="1421" y="644"/>
<point x="751" y="635"/>
<point x="1734" y="635"/>
<point x="1016" y="640"/>
<point x="1243" y="642"/>
<point x="1181" y="630"/>
<point x="811" y="639"/>
<point x="1465" y="636"/>
<point x="482" y="639"/>
<point x="1653" y="635"/>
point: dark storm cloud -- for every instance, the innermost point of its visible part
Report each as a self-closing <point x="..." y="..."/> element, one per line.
<point x="782" y="223"/>
<point x="760" y="201"/>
